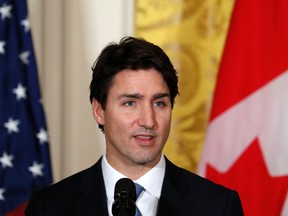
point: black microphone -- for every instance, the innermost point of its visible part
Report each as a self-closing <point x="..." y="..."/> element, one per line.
<point x="124" y="198"/>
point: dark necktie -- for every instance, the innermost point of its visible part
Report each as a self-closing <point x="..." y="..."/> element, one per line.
<point x="139" y="190"/>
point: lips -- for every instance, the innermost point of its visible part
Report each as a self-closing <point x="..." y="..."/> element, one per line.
<point x="145" y="138"/>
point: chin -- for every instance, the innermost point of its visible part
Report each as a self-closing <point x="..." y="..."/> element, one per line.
<point x="147" y="159"/>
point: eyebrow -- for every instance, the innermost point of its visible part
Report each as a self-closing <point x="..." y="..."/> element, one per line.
<point x="139" y="96"/>
<point x="161" y="95"/>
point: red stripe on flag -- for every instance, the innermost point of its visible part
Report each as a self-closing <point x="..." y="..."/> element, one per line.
<point x="256" y="51"/>
<point x="251" y="103"/>
<point x="20" y="211"/>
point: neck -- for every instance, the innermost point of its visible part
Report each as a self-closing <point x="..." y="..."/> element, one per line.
<point x="131" y="169"/>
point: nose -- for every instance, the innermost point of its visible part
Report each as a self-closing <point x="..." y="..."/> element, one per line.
<point x="147" y="117"/>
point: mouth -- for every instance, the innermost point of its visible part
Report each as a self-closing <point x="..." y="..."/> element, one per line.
<point x="145" y="139"/>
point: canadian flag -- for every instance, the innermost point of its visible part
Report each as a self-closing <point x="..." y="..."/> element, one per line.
<point x="246" y="146"/>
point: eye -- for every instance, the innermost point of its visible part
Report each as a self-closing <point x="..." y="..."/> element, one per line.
<point x="160" y="104"/>
<point x="129" y="103"/>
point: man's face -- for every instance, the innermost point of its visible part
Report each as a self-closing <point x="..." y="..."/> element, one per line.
<point x="136" y="119"/>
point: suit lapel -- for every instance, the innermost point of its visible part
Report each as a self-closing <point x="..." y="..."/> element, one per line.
<point x="92" y="195"/>
<point x="175" y="196"/>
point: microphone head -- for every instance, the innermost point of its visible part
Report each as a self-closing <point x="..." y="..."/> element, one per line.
<point x="124" y="197"/>
<point x="125" y="184"/>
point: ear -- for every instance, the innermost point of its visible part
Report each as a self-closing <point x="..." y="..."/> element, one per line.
<point x="98" y="112"/>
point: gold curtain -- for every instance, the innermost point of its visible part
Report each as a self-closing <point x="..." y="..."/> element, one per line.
<point x="192" y="32"/>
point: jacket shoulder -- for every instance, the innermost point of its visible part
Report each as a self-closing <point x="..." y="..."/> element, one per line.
<point x="61" y="197"/>
<point x="198" y="195"/>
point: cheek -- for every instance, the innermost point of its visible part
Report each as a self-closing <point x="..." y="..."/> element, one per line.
<point x="117" y="121"/>
<point x="164" y="123"/>
<point x="164" y="119"/>
<point x="167" y="125"/>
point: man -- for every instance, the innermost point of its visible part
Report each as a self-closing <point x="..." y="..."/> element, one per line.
<point x="132" y="92"/>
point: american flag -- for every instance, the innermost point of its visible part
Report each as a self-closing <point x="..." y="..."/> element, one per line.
<point x="24" y="151"/>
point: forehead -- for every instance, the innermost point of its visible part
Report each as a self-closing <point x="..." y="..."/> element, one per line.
<point x="139" y="81"/>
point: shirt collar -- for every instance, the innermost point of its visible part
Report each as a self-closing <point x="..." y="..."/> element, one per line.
<point x="152" y="181"/>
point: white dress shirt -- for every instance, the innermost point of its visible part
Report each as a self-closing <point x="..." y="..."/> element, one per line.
<point x="152" y="181"/>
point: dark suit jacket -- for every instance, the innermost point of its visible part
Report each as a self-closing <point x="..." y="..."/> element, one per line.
<point x="183" y="194"/>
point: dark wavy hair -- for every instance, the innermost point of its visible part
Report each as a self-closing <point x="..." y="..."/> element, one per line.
<point x="131" y="53"/>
